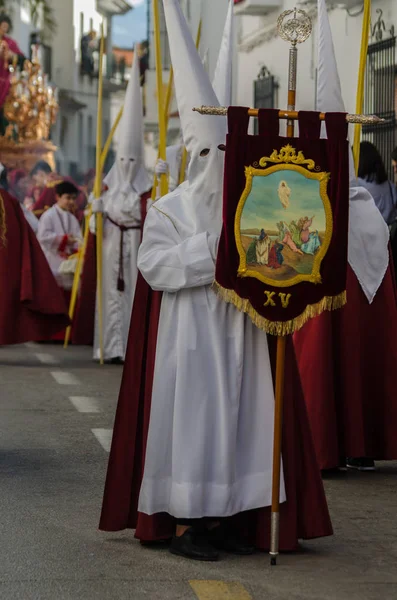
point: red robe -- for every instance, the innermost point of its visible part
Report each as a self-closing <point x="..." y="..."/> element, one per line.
<point x="348" y="363"/>
<point x="304" y="515"/>
<point x="47" y="198"/>
<point x="84" y="317"/>
<point x="32" y="306"/>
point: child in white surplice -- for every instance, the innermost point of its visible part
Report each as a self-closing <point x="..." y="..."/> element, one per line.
<point x="59" y="232"/>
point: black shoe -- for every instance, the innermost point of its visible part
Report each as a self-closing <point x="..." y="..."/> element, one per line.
<point x="225" y="540"/>
<point x="114" y="361"/>
<point x="192" y="544"/>
<point x="360" y="464"/>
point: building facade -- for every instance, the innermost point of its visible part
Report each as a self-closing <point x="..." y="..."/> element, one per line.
<point x="263" y="59"/>
<point x="75" y="131"/>
<point x="213" y="15"/>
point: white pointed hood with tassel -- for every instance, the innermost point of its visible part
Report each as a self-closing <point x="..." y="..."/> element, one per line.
<point x="129" y="171"/>
<point x="223" y="77"/>
<point x="368" y="233"/>
<point x="202" y="192"/>
<point x="222" y="82"/>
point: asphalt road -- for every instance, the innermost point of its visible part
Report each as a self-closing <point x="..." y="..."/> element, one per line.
<point x="56" y="414"/>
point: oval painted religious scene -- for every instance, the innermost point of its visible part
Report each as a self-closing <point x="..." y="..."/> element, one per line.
<point x="283" y="225"/>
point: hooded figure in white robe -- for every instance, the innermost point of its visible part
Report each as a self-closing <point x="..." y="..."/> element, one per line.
<point x="210" y="441"/>
<point x="368" y="239"/>
<point x="127" y="182"/>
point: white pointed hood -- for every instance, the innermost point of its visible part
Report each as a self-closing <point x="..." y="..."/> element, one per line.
<point x="203" y="189"/>
<point x="223" y="78"/>
<point x="367" y="228"/>
<point x="129" y="168"/>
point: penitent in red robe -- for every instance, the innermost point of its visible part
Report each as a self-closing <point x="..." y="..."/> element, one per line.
<point x="32" y="306"/>
<point x="84" y="319"/>
<point x="303" y="516"/>
<point x="348" y="365"/>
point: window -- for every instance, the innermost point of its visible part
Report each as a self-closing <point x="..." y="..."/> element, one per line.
<point x="63" y="131"/>
<point x="90" y="130"/>
<point x="265" y="91"/>
<point x="81" y="24"/>
<point x="90" y="143"/>
<point x="80" y="134"/>
<point x="380" y="97"/>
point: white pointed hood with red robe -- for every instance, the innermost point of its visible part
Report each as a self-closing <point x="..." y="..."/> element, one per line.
<point x="209" y="449"/>
<point x="127" y="182"/>
<point x="368" y="233"/>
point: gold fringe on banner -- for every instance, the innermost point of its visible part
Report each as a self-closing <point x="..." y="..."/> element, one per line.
<point x="279" y="328"/>
<point x="3" y="223"/>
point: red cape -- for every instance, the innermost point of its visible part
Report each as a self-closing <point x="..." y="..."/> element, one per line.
<point x="32" y="306"/>
<point x="348" y="363"/>
<point x="304" y="515"/>
<point x="84" y="318"/>
<point x="47" y="198"/>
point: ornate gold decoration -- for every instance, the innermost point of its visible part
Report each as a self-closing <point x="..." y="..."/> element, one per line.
<point x="26" y="155"/>
<point x="31" y="106"/>
<point x="296" y="29"/>
<point x="280" y="327"/>
<point x="315" y="276"/>
<point x="288" y="154"/>
<point x="221" y="111"/>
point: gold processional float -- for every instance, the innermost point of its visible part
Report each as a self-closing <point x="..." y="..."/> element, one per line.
<point x="295" y="27"/>
<point x="31" y="109"/>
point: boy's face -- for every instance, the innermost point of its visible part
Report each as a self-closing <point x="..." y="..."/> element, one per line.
<point x="66" y="202"/>
<point x="394" y="163"/>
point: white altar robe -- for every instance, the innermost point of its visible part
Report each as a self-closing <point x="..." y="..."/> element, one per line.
<point x="210" y="440"/>
<point x="123" y="206"/>
<point x="54" y="225"/>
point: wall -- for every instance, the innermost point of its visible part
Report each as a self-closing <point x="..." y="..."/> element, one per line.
<point x="274" y="54"/>
<point x="75" y="133"/>
<point x="22" y="28"/>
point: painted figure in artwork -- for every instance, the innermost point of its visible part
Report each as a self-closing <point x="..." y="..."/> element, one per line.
<point x="262" y="248"/>
<point x="295" y="233"/>
<point x="284" y="193"/>
<point x="276" y="257"/>
<point x="310" y="240"/>
<point x="286" y="237"/>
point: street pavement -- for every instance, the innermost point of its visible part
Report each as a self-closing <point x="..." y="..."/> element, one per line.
<point x="56" y="414"/>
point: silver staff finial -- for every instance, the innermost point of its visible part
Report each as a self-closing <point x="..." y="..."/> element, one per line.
<point x="296" y="29"/>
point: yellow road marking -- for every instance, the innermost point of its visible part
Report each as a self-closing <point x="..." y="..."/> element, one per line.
<point x="219" y="590"/>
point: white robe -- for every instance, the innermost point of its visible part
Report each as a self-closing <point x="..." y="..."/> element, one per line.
<point x="124" y="209"/>
<point x="30" y="217"/>
<point x="210" y="440"/>
<point x="53" y="226"/>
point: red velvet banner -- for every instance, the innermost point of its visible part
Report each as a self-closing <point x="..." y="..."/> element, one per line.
<point x="282" y="256"/>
